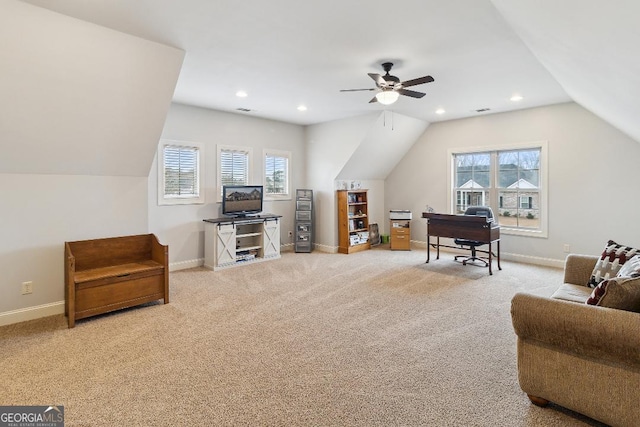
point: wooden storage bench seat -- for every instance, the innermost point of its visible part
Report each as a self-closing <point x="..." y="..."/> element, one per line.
<point x="103" y="275"/>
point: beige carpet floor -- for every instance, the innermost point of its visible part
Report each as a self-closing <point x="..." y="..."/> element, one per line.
<point x="377" y="338"/>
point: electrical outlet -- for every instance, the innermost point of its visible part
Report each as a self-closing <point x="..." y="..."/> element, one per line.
<point x="27" y="288"/>
<point x="567" y="248"/>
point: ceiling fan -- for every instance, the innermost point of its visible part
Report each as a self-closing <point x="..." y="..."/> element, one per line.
<point x="391" y="87"/>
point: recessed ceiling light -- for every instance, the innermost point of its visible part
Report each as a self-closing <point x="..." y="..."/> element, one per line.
<point x="516" y="98"/>
<point x="302" y="108"/>
<point x="241" y="94"/>
<point x="440" y="111"/>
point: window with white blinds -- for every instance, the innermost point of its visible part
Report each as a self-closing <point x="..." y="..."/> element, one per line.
<point x="179" y="173"/>
<point x="234" y="167"/>
<point x="276" y="174"/>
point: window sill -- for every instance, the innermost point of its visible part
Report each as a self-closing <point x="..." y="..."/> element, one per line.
<point x="181" y="201"/>
<point x="277" y="198"/>
<point x="522" y="232"/>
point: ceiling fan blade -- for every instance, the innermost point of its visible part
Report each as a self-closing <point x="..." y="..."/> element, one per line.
<point x="411" y="93"/>
<point x="374" y="99"/>
<point x="355" y="90"/>
<point x="418" y="81"/>
<point x="378" y="79"/>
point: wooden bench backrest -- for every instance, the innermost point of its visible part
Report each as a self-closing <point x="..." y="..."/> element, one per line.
<point x="99" y="253"/>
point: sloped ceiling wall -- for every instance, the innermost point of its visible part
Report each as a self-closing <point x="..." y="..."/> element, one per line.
<point x="589" y="48"/>
<point x="79" y="99"/>
<point x="386" y="142"/>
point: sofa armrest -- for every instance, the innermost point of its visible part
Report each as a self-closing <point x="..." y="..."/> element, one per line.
<point x="580" y="329"/>
<point x="578" y="268"/>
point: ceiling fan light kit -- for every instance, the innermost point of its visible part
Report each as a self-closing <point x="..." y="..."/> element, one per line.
<point x="391" y="87"/>
<point x="387" y="97"/>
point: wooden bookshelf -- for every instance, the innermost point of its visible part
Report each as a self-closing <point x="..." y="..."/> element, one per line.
<point x="353" y="221"/>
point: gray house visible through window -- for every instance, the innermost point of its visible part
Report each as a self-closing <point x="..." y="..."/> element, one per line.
<point x="234" y="166"/>
<point x="508" y="180"/>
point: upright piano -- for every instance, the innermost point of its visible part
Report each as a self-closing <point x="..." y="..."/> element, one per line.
<point x="471" y="227"/>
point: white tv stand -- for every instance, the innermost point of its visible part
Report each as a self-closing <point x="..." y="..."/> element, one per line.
<point x="231" y="242"/>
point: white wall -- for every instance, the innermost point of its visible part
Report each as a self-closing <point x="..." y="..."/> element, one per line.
<point x="82" y="109"/>
<point x="181" y="227"/>
<point x="375" y="200"/>
<point x="385" y="143"/>
<point x="593" y="182"/>
<point x="39" y="213"/>
<point x="79" y="98"/>
<point x="365" y="149"/>
<point x="329" y="147"/>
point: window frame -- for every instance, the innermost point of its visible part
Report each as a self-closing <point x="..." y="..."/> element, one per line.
<point x="197" y="199"/>
<point x="235" y="148"/>
<point x="282" y="154"/>
<point x="542" y="231"/>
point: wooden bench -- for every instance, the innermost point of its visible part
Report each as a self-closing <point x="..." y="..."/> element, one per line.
<point x="103" y="275"/>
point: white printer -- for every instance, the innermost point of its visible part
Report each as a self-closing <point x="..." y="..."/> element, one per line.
<point x="399" y="214"/>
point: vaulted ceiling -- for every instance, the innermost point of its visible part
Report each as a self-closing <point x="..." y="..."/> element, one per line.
<point x="286" y="53"/>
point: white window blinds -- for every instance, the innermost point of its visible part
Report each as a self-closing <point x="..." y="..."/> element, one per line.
<point x="234" y="167"/>
<point x="181" y="171"/>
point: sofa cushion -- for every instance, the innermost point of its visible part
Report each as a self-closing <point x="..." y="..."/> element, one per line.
<point x="612" y="259"/>
<point x="622" y="293"/>
<point x="574" y="293"/>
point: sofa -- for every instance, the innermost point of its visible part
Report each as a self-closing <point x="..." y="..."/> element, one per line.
<point x="581" y="356"/>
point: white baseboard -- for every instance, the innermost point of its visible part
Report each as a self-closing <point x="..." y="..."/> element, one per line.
<point x="183" y="265"/>
<point x="526" y="259"/>
<point x="287" y="247"/>
<point x="419" y="244"/>
<point x="31" y="313"/>
<point x="54" y="308"/>
<point x="326" y="248"/>
<point x="320" y="248"/>
<point x="506" y="256"/>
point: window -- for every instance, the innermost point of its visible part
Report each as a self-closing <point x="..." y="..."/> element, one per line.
<point x="510" y="180"/>
<point x="526" y="202"/>
<point x="234" y="167"/>
<point x="276" y="174"/>
<point x="473" y="179"/>
<point x="179" y="173"/>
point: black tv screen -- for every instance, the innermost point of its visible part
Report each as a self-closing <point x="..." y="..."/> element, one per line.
<point x="241" y="200"/>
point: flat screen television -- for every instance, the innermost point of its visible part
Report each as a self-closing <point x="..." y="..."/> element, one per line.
<point x="241" y="200"/>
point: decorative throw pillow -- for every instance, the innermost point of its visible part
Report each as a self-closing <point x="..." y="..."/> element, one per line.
<point x="631" y="268"/>
<point x="622" y="293"/>
<point x="598" y="293"/>
<point x="612" y="259"/>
